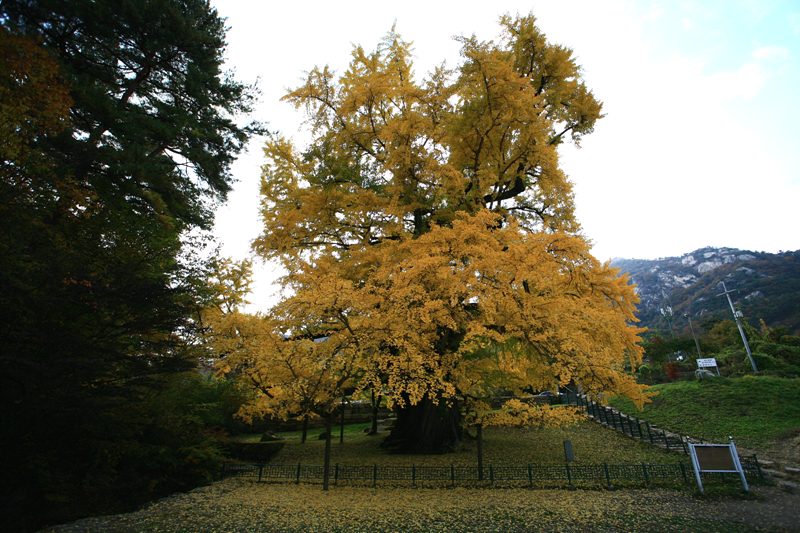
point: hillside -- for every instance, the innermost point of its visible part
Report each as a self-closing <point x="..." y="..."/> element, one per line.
<point x="756" y="411"/>
<point x="767" y="287"/>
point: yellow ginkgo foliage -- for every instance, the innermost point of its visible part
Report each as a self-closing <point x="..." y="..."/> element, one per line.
<point x="516" y="413"/>
<point x="430" y="242"/>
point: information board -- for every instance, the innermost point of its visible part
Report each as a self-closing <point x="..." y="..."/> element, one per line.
<point x="716" y="458"/>
<point x="709" y="362"/>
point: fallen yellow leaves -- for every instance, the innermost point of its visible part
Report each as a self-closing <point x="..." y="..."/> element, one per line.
<point x="236" y="505"/>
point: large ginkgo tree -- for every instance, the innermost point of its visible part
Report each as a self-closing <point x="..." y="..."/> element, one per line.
<point x="429" y="236"/>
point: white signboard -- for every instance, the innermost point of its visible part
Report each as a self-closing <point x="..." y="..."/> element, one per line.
<point x="708" y="363"/>
<point x="716" y="458"/>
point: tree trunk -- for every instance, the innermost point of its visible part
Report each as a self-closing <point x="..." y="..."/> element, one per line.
<point x="374" y="429"/>
<point x="480" y="451"/>
<point x="305" y="430"/>
<point x="341" y="426"/>
<point x="426" y="428"/>
<point x="326" y="475"/>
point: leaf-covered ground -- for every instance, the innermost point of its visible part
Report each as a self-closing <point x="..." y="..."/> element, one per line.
<point x="591" y="443"/>
<point x="242" y="506"/>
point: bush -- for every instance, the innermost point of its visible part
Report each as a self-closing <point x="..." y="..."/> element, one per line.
<point x="651" y="373"/>
<point x="791" y="340"/>
<point x="118" y="452"/>
<point x="671" y="369"/>
<point x="764" y="362"/>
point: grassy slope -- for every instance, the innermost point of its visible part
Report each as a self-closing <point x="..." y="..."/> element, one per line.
<point x="755" y="411"/>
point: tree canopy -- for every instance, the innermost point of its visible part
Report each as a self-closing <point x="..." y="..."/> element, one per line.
<point x="429" y="233"/>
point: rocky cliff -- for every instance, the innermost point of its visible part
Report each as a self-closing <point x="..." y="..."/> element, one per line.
<point x="766" y="286"/>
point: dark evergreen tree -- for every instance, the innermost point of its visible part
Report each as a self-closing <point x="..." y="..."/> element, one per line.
<point x="96" y="280"/>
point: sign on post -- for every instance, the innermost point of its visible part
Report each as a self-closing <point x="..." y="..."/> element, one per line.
<point x="716" y="458"/>
<point x="708" y="363"/>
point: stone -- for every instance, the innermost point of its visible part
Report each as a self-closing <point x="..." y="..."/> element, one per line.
<point x="269" y="437"/>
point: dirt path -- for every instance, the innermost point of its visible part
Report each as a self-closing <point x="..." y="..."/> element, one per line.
<point x="236" y="505"/>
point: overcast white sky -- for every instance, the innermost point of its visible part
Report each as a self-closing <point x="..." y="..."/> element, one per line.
<point x="699" y="147"/>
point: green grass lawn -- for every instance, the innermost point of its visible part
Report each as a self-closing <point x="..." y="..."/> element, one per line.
<point x="755" y="411"/>
<point x="591" y="444"/>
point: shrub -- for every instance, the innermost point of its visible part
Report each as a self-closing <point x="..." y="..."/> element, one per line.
<point x="671" y="369"/>
<point x="651" y="373"/>
<point x="791" y="340"/>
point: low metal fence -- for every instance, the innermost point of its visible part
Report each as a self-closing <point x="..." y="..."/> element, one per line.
<point x="629" y="425"/>
<point x="531" y="475"/>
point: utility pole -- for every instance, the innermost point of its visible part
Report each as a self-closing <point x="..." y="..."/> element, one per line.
<point x="666" y="311"/>
<point x="696" y="342"/>
<point x="739" y="324"/>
